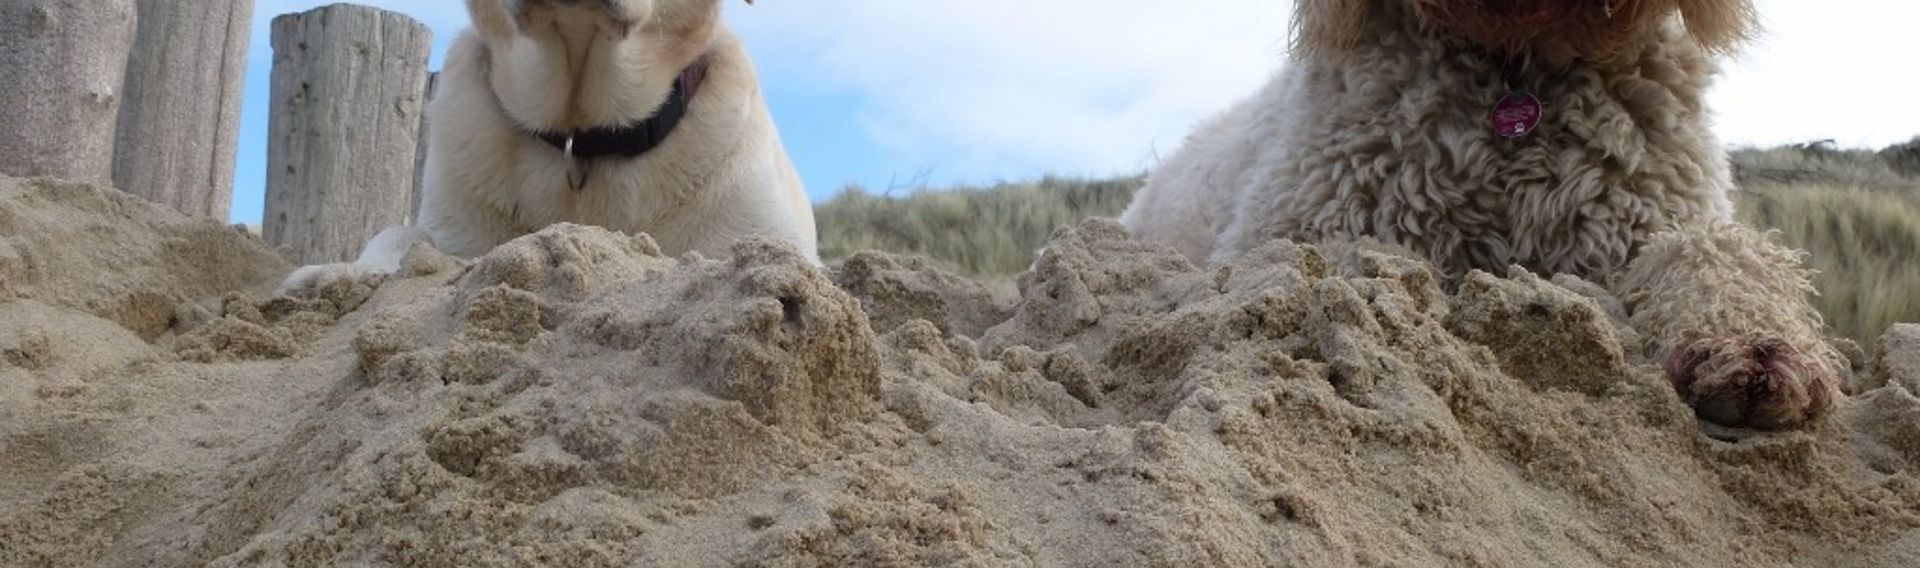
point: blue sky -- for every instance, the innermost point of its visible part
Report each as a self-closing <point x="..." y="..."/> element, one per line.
<point x="890" y="93"/>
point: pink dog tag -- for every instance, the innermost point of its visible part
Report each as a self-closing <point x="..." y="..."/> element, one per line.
<point x="1516" y="115"/>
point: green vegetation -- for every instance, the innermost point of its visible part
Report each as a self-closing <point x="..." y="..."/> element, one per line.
<point x="1856" y="213"/>
<point x="989" y="232"/>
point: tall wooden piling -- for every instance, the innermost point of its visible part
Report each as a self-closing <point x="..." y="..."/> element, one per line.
<point x="179" y="123"/>
<point x="64" y="63"/>
<point x="348" y="89"/>
<point x="420" y="153"/>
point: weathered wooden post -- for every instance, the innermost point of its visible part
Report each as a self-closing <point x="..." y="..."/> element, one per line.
<point x="347" y="90"/>
<point x="63" y="62"/>
<point x="180" y="119"/>
<point x="420" y="153"/>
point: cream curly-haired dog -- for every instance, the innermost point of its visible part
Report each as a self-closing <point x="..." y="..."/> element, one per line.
<point x="1560" y="136"/>
<point x="641" y="116"/>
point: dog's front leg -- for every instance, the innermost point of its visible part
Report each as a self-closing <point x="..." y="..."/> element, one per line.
<point x="1728" y="314"/>
<point x="381" y="257"/>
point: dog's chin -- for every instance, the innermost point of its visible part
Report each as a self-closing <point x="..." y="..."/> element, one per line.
<point x="620" y="17"/>
<point x="1592" y="29"/>
<point x="559" y="82"/>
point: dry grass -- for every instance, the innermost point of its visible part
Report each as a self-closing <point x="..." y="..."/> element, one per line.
<point x="990" y="231"/>
<point x="1856" y="213"/>
<point x="1820" y="165"/>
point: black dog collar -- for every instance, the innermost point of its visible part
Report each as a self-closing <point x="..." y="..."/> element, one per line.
<point x="639" y="137"/>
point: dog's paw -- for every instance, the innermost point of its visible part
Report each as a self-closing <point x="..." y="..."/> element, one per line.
<point x="309" y="280"/>
<point x="1758" y="382"/>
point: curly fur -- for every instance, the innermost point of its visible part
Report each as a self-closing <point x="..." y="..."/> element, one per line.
<point x="1753" y="352"/>
<point x="1380" y="128"/>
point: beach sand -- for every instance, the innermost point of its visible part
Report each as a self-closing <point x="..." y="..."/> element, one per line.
<point x="577" y="399"/>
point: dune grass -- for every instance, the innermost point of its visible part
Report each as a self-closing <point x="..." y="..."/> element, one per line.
<point x="990" y="231"/>
<point x="1856" y="213"/>
<point x="1820" y="166"/>
<point x="1862" y="243"/>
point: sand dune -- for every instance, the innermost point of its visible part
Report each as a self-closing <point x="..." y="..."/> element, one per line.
<point x="576" y="399"/>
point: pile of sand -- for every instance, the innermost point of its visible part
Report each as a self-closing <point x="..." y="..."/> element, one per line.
<point x="575" y="398"/>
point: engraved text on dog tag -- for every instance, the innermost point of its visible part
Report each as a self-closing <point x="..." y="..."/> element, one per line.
<point x="1516" y="115"/>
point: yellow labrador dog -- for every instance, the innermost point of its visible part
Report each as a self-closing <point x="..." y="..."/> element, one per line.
<point x="641" y="116"/>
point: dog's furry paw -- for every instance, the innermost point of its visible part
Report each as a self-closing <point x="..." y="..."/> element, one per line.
<point x="383" y="256"/>
<point x="309" y="280"/>
<point x="1757" y="382"/>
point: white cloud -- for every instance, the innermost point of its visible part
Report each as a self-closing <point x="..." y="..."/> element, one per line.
<point x="1839" y="69"/>
<point x="1063" y="85"/>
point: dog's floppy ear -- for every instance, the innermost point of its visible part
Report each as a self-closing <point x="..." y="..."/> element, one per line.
<point x="1328" y="27"/>
<point x="492" y="18"/>
<point x="1720" y="25"/>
